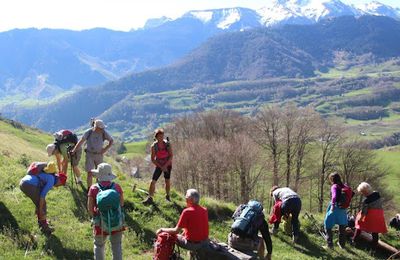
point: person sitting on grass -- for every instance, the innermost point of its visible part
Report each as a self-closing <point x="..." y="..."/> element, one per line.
<point x="36" y="188"/>
<point x="371" y="218"/>
<point x="194" y="223"/>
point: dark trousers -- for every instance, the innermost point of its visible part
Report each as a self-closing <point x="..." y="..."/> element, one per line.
<point x="374" y="242"/>
<point x="342" y="235"/>
<point x="291" y="206"/>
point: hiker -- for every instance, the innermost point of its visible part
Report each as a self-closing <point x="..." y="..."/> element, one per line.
<point x="291" y="205"/>
<point x="194" y="222"/>
<point x="249" y="219"/>
<point x="105" y="202"/>
<point x="94" y="138"/>
<point x="161" y="156"/>
<point x="335" y="214"/>
<point x="65" y="141"/>
<point x="36" y="185"/>
<point x="371" y="218"/>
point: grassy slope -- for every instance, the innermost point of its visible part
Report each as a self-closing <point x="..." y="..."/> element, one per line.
<point x="20" y="237"/>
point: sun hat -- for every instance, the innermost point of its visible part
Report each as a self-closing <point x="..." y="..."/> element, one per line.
<point x="50" y="168"/>
<point x="62" y="177"/>
<point x="103" y="172"/>
<point x="99" y="124"/>
<point x="50" y="149"/>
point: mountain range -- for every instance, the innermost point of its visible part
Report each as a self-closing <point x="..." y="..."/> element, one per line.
<point x="292" y="56"/>
<point x="41" y="64"/>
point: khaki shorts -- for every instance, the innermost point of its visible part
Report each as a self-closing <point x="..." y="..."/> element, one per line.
<point x="243" y="244"/>
<point x="92" y="160"/>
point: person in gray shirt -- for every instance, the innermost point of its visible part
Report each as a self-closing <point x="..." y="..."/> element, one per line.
<point x="291" y="205"/>
<point x="94" y="138"/>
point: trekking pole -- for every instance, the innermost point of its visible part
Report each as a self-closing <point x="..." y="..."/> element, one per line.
<point x="313" y="220"/>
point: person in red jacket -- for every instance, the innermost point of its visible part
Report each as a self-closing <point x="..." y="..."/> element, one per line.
<point x="371" y="218"/>
<point x="193" y="222"/>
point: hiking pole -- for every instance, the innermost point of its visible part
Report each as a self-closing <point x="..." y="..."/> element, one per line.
<point x="313" y="220"/>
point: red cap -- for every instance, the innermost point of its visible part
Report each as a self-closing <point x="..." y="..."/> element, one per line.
<point x="62" y="177"/>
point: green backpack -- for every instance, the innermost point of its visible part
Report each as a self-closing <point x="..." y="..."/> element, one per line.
<point x="111" y="217"/>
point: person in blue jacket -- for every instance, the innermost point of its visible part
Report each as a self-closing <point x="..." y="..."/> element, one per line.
<point x="36" y="188"/>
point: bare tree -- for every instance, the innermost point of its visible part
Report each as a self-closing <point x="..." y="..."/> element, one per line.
<point x="328" y="139"/>
<point x="267" y="128"/>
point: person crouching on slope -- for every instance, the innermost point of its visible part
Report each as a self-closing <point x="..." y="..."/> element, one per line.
<point x="161" y="156"/>
<point x="36" y="188"/>
<point x="371" y="218"/>
<point x="105" y="202"/>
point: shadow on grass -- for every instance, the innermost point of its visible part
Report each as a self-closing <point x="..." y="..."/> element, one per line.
<point x="9" y="227"/>
<point x="80" y="198"/>
<point x="53" y="246"/>
<point x="145" y="235"/>
<point x="219" y="213"/>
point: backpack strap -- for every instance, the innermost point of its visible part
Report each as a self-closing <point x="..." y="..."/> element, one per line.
<point x="91" y="131"/>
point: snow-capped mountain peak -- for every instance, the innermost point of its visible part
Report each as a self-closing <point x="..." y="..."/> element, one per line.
<point x="377" y="8"/>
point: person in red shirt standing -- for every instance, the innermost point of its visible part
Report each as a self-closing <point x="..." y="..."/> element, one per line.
<point x="193" y="222"/>
<point x="161" y="157"/>
<point x="104" y="176"/>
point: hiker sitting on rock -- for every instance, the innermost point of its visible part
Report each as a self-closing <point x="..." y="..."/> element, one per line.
<point x="105" y="202"/>
<point x="249" y="219"/>
<point x="94" y="138"/>
<point x="291" y="204"/>
<point x="161" y="156"/>
<point x="371" y="218"/>
<point x="194" y="223"/>
<point x="62" y="148"/>
<point x="40" y="179"/>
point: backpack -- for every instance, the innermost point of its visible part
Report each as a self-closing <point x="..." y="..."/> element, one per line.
<point x="346" y="194"/>
<point x="111" y="217"/>
<point x="166" y="143"/>
<point x="36" y="167"/>
<point x="164" y="246"/>
<point x="247" y="223"/>
<point x="65" y="136"/>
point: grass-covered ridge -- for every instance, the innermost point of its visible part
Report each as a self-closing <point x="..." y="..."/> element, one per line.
<point x="20" y="237"/>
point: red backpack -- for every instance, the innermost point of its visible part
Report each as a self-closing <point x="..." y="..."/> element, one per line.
<point x="164" y="246"/>
<point x="36" y="167"/>
<point x="346" y="195"/>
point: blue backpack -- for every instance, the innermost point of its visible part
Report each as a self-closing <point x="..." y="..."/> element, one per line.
<point x="247" y="219"/>
<point x="111" y="217"/>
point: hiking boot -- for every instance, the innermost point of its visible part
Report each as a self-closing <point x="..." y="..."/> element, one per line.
<point x="274" y="231"/>
<point x="167" y="198"/>
<point x="295" y="239"/>
<point x="45" y="228"/>
<point x="148" y="200"/>
<point x="340" y="245"/>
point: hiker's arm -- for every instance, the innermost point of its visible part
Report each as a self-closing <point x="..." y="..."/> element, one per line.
<point x="79" y="144"/>
<point x="105" y="149"/>
<point x="334" y="192"/>
<point x="171" y="155"/>
<point x="121" y="200"/>
<point x="153" y="158"/>
<point x="172" y="231"/>
<point x="266" y="236"/>
<point x="90" y="206"/>
<point x="58" y="158"/>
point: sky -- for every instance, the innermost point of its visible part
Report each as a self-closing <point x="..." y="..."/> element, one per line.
<point x="121" y="15"/>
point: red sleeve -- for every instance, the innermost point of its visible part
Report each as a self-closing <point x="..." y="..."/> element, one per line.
<point x="118" y="189"/>
<point x="93" y="191"/>
<point x="182" y="222"/>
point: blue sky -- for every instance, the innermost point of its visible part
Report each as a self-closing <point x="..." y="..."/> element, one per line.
<point x="113" y="14"/>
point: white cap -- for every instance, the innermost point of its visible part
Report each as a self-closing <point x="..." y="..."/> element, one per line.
<point x="103" y="172"/>
<point x="99" y="124"/>
<point x="50" y="149"/>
